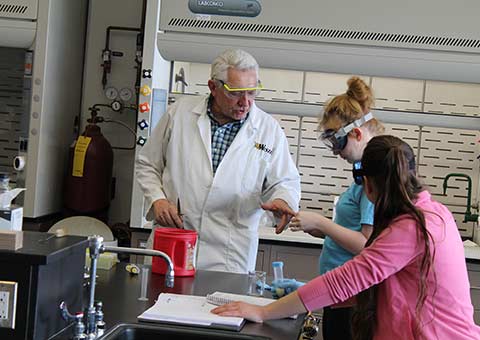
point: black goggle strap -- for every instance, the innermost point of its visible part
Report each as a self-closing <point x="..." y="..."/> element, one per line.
<point x="358" y="172"/>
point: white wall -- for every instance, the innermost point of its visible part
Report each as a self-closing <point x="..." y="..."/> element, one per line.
<point x="104" y="13"/>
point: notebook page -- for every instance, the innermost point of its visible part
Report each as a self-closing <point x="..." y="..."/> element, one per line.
<point x="186" y="309"/>
<point x="220" y="298"/>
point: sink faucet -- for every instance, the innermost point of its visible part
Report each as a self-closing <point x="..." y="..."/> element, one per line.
<point x="469" y="217"/>
<point x="94" y="316"/>
<point x="169" y="276"/>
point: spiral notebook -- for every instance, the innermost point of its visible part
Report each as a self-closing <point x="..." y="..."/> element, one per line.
<point x="188" y="310"/>
<point x="219" y="298"/>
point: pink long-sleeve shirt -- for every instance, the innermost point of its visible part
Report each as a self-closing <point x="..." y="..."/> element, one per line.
<point x="393" y="262"/>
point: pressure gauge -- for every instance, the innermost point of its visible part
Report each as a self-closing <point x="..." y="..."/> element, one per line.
<point x="116" y="106"/>
<point x="126" y="94"/>
<point x="111" y="93"/>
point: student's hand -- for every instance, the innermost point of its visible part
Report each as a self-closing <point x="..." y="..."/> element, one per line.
<point x="280" y="210"/>
<point x="166" y="214"/>
<point x="308" y="222"/>
<point x="241" y="309"/>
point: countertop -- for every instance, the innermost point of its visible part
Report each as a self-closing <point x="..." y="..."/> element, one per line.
<point x="267" y="233"/>
<point x="119" y="292"/>
<point x="472" y="250"/>
<point x="41" y="249"/>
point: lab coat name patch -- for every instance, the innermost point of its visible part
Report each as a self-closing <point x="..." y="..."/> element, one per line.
<point x="263" y="147"/>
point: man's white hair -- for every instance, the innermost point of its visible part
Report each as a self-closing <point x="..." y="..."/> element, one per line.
<point x="237" y="59"/>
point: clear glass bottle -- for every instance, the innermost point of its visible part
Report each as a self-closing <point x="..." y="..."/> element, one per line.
<point x="277" y="271"/>
<point x="4" y="182"/>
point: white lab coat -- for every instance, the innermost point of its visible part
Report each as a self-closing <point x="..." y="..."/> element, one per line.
<point x="176" y="163"/>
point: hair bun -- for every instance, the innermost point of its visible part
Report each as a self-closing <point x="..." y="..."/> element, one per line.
<point x="361" y="92"/>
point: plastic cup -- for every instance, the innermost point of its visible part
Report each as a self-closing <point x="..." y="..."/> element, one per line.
<point x="256" y="282"/>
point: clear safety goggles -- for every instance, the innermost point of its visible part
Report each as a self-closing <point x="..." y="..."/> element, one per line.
<point x="237" y="93"/>
<point x="337" y="140"/>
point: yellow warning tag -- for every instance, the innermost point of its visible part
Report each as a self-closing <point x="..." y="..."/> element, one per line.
<point x="79" y="155"/>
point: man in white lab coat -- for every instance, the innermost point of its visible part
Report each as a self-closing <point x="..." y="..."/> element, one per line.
<point x="222" y="159"/>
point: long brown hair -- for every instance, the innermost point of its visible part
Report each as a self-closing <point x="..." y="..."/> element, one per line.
<point x="389" y="164"/>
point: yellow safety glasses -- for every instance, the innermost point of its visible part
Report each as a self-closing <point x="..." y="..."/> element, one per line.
<point x="237" y="93"/>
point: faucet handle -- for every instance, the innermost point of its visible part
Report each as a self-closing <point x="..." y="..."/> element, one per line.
<point x="99" y="323"/>
<point x="66" y="315"/>
<point x="79" y="329"/>
<point x="98" y="312"/>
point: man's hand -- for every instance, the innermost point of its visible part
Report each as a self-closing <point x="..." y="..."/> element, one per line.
<point x="282" y="211"/>
<point x="166" y="214"/>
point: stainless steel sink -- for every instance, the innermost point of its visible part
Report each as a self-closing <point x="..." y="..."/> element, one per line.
<point x="158" y="332"/>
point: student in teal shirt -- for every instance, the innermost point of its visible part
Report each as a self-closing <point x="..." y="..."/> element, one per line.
<point x="353" y="211"/>
<point x="347" y="126"/>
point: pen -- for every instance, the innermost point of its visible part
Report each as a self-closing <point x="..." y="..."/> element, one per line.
<point x="179" y="211"/>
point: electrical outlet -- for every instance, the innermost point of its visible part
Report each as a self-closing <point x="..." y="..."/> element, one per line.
<point x="4" y="305"/>
<point x="8" y="303"/>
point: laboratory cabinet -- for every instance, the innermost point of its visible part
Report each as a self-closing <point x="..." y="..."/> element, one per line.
<point x="299" y="261"/>
<point x="46" y="271"/>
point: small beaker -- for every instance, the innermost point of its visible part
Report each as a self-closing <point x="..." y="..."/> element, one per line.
<point x="256" y="282"/>
<point x="145" y="275"/>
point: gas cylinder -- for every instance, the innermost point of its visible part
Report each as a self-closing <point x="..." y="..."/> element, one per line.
<point x="89" y="178"/>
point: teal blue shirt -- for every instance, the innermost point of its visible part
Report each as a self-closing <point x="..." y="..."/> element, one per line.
<point x="352" y="210"/>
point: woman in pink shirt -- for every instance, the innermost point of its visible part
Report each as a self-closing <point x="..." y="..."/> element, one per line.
<point x="411" y="278"/>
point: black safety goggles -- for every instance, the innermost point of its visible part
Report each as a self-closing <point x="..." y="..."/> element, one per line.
<point x="336" y="141"/>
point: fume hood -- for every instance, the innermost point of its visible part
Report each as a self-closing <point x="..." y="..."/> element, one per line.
<point x="41" y="63"/>
<point x="18" y="23"/>
<point x="436" y="40"/>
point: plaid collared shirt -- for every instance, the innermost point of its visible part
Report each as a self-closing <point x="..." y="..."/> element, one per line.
<point x="222" y="137"/>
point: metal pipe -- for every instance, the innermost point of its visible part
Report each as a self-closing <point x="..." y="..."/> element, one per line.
<point x="169" y="277"/>
<point x="95" y="244"/>
<point x="469" y="217"/>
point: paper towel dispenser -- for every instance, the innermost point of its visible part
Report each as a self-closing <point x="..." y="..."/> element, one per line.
<point x="18" y="23"/>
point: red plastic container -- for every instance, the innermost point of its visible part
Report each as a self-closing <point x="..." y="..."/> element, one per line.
<point x="179" y="244"/>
